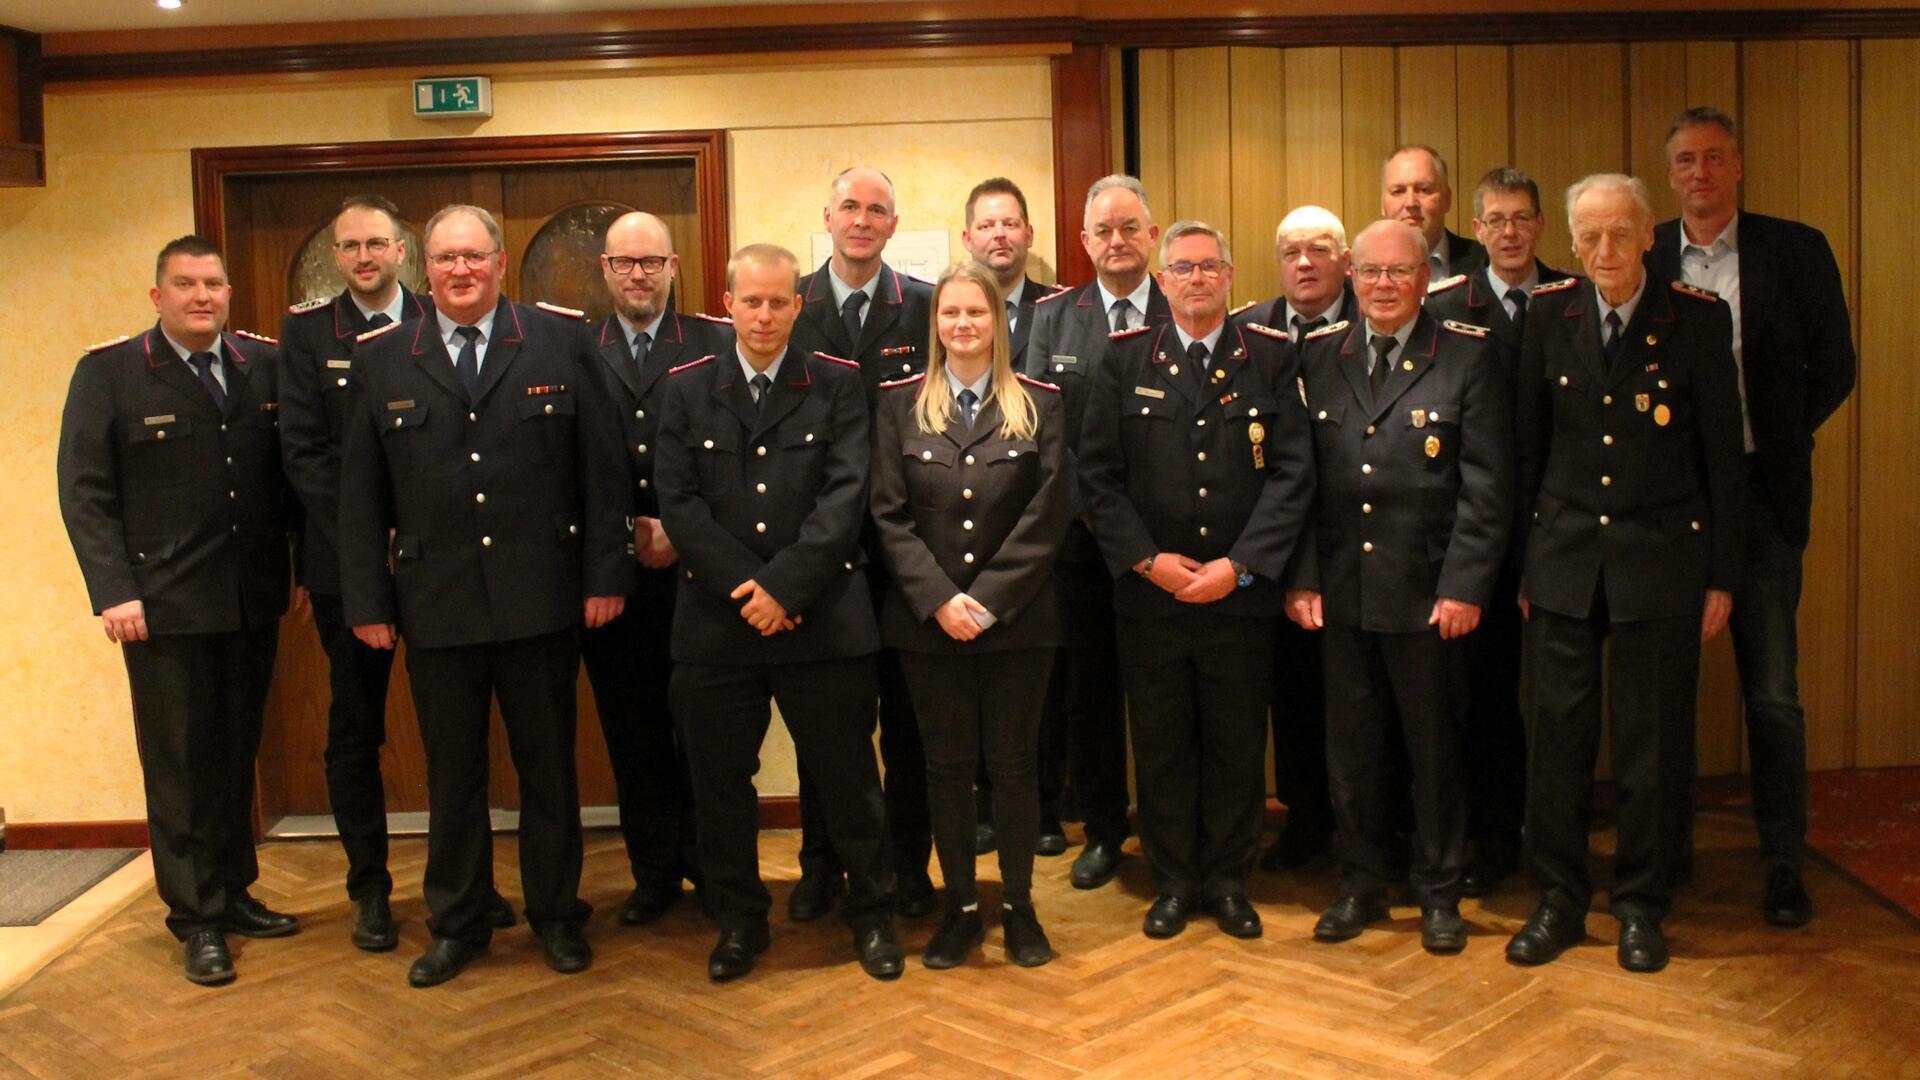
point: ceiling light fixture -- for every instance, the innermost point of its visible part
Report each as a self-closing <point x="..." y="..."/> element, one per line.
<point x="169" y="5"/>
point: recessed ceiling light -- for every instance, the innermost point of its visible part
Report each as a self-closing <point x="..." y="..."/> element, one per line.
<point x="169" y="5"/>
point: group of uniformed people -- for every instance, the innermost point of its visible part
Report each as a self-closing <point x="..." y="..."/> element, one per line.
<point x="992" y="508"/>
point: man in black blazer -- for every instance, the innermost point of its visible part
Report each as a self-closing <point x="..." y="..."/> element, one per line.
<point x="1793" y="347"/>
<point x="1071" y="331"/>
<point x="1629" y="450"/>
<point x="1413" y="444"/>
<point x="857" y="308"/>
<point x="483" y="515"/>
<point x="629" y="661"/>
<point x="1507" y="219"/>
<point x="1198" y="476"/>
<point x="171" y="488"/>
<point x="763" y="484"/>
<point x="1414" y="188"/>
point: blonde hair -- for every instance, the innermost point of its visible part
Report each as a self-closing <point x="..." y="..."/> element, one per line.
<point x="934" y="407"/>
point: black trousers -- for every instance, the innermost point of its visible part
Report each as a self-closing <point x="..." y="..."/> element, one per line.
<point x="1300" y="730"/>
<point x="827" y="707"/>
<point x="1198" y="684"/>
<point x="629" y="666"/>
<point x="1652" y="677"/>
<point x="1410" y="691"/>
<point x="357" y="679"/>
<point x="197" y="700"/>
<point x="974" y="706"/>
<point x="1083" y="737"/>
<point x="1496" y="740"/>
<point x="452" y="688"/>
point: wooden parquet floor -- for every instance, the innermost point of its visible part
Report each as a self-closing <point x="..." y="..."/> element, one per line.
<point x="1840" y="997"/>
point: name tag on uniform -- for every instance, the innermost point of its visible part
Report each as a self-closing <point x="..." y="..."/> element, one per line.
<point x="1070" y="361"/>
<point x="396" y="406"/>
<point x="166" y="418"/>
<point x="339" y="363"/>
<point x="1148" y="391"/>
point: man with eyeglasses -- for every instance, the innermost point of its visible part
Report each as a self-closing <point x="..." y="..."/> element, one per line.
<point x="1072" y="330"/>
<point x="1414" y="189"/>
<point x="629" y="662"/>
<point x="1506" y="218"/>
<point x="1413" y="445"/>
<point x="484" y="516"/>
<point x="1198" y="477"/>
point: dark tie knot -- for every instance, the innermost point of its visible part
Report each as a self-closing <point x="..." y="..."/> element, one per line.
<point x="1518" y="298"/>
<point x="1120" y="309"/>
<point x="968" y="400"/>
<point x="469" y="333"/>
<point x="855" y="301"/>
<point x="1197" y="352"/>
<point x="202" y="362"/>
<point x="1303" y="327"/>
<point x="761" y="384"/>
<point x="1382" y="345"/>
<point x="378" y="320"/>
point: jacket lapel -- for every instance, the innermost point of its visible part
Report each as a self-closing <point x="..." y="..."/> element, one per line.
<point x="791" y="389"/>
<point x="663" y="355"/>
<point x="986" y="421"/>
<point x="508" y="335"/>
<point x="1585" y="307"/>
<point x="818" y="307"/>
<point x="884" y="312"/>
<point x="1419" y="351"/>
<point x="1651" y="323"/>
<point x="1170" y="363"/>
<point x="239" y="377"/>
<point x="1353" y="363"/>
<point x="172" y="369"/>
<point x="731" y="392"/>
<point x="430" y="356"/>
<point x="1753" y="254"/>
<point x="613" y="353"/>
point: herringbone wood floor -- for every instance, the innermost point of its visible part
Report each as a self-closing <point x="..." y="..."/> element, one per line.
<point x="1741" y="999"/>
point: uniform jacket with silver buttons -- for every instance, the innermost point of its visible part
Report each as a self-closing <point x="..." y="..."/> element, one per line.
<point x="1168" y="463"/>
<point x="970" y="511"/>
<point x="1416" y="482"/>
<point x="775" y="495"/>
<point x="893" y="337"/>
<point x="317" y="380"/>
<point x="170" y="499"/>
<point x="1635" y="470"/>
<point x="506" y="512"/>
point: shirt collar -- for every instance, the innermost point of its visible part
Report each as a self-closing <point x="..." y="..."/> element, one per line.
<point x="842" y="290"/>
<point x="1211" y="341"/>
<point x="1400" y="336"/>
<point x="1138" y="297"/>
<point x="395" y="311"/>
<point x="1437" y="254"/>
<point x="1332" y="314"/>
<point x="1626" y="310"/>
<point x="979" y="387"/>
<point x="1729" y="238"/>
<point x="773" y="370"/>
<point x="1500" y="286"/>
<point x="484" y="324"/>
<point x="219" y="353"/>
<point x="652" y="329"/>
<point x="1019" y="290"/>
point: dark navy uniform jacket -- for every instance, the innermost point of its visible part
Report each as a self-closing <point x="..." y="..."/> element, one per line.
<point x="893" y="337"/>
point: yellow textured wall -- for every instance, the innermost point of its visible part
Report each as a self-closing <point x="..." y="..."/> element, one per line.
<point x="79" y="255"/>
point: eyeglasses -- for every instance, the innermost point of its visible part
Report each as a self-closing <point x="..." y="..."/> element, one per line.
<point x="1521" y="221"/>
<point x="624" y="264"/>
<point x="1398" y="275"/>
<point x="1210" y="267"/>
<point x="444" y="260"/>
<point x="376" y="247"/>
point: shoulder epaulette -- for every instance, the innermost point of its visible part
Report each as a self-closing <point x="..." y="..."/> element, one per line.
<point x="1446" y="283"/>
<point x="710" y="318"/>
<point x="261" y="338"/>
<point x="571" y="313"/>
<point x="1058" y="292"/>
<point x="1262" y="328"/>
<point x="1556" y="286"/>
<point x="1241" y="308"/>
<point x="690" y="364"/>
<point x="1695" y="291"/>
<point x="837" y="360"/>
<point x="1325" y="330"/>
<point x="908" y="381"/>
<point x="108" y="344"/>
<point x="314" y="304"/>
<point x="1036" y="382"/>
<point x="376" y="332"/>
<point x="1119" y="335"/>
<point x="1467" y="329"/>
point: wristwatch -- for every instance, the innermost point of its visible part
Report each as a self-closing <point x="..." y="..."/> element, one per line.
<point x="1145" y="569"/>
<point x="1242" y="574"/>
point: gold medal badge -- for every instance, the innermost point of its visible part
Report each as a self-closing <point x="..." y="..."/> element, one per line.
<point x="1433" y="446"/>
<point x="1662" y="415"/>
<point x="1257" y="434"/>
<point x="1642" y="402"/>
<point x="1419" y="418"/>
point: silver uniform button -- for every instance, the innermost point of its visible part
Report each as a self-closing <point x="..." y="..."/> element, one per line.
<point x="708" y="444"/>
<point x="643" y="485"/>
<point x="1059" y="367"/>
<point x="906" y="367"/>
<point x="966" y="493"/>
<point x="229" y="461"/>
<point x="847" y="565"/>
<point x="549" y="410"/>
<point x="1013" y="453"/>
<point x="474" y="416"/>
<point x="1696" y="526"/>
<point x="1367" y="547"/>
<point x="809" y="436"/>
<point x="639" y="414"/>
<point x="1663" y="384"/>
<point x="1370" y="429"/>
<point x="1366" y="470"/>
<point x="969" y="459"/>
<point x="760" y="489"/>
<point x="1253" y="412"/>
<point x="223" y="427"/>
<point x="1563" y="380"/>
<point x="759" y="526"/>
<point x="1144" y="410"/>
<point x="1607" y="399"/>
<point x="967" y="558"/>
<point x="1203" y="530"/>
<point x="1200" y="423"/>
<point x="1323" y="414"/>
<point x="340" y="382"/>
<point x="1203" y="493"/>
<point x="486" y="541"/>
<point x="475" y="455"/>
<point x="573" y="530"/>
<point x="1202" y="455"/>
<point x="642" y="448"/>
<point x="233" y="494"/>
<point x="760" y="450"/>
<point x="1366" y="508"/>
<point x="1607" y="440"/>
<point x="479" y="496"/>
<point x="397" y="421"/>
<point x="1606" y="481"/>
<point x="161" y="434"/>
<point x="967" y="524"/>
<point x="1605" y="520"/>
<point x="926" y="455"/>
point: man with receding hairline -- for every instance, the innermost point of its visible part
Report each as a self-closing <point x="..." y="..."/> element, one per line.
<point x="1414" y="188"/>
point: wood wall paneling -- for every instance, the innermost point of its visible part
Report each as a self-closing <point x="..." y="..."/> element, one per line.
<point x="1656" y="92"/>
<point x="1258" y="168"/>
<point x="1428" y="113"/>
<point x="1484" y="110"/>
<point x="1156" y="145"/>
<point x="1368" y="96"/>
<point x="1314" y="119"/>
<point x="1202" y="139"/>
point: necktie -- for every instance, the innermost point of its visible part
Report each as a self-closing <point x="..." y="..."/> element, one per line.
<point x="1013" y="315"/>
<point x="1120" y="309"/>
<point x="762" y="386"/>
<point x="637" y="351"/>
<point x="468" y="362"/>
<point x="1382" y="346"/>
<point x="1302" y="328"/>
<point x="1518" y="298"/>
<point x="203" y="366"/>
<point x="379" y="319"/>
<point x="850" y="316"/>
<point x="1197" y="361"/>
<point x="1615" y="333"/>
<point x="968" y="399"/>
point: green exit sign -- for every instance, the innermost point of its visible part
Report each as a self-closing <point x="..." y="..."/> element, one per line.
<point x="467" y="95"/>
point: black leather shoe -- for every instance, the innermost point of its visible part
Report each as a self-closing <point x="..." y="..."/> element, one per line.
<point x="983" y="838"/>
<point x="1548" y="933"/>
<point x="1167" y="917"/>
<point x="813" y="896"/>
<point x="208" y="962"/>
<point x="1489" y="869"/>
<point x="1643" y="947"/>
<point x="1052" y="841"/>
<point x="733" y="955"/>
<point x="915" y="899"/>
<point x="1236" y="916"/>
<point x="1295" y="848"/>
<point x="567" y="950"/>
<point x="960" y="933"/>
<point x="1348" y="916"/>
<point x="1441" y="930"/>
<point x="251" y="918"/>
<point x="1787" y="902"/>
<point x="373" y="925"/>
<point x="444" y="959"/>
<point x="1027" y="944"/>
<point x="1095" y="865"/>
<point x="647" y="905"/>
<point x="500" y="913"/>
<point x="879" y="951"/>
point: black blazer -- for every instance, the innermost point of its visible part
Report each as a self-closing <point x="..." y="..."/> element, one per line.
<point x="1464" y="254"/>
<point x="506" y="512"/>
<point x="775" y="495"/>
<point x="1022" y="331"/>
<point x="1415" y="500"/>
<point x="893" y="340"/>
<point x="1469" y="298"/>
<point x="1650" y="443"/>
<point x="1168" y="463"/>
<point x="316" y="386"/>
<point x="1796" y="348"/>
<point x="169" y="499"/>
<point x="1272" y="312"/>
<point x="971" y="511"/>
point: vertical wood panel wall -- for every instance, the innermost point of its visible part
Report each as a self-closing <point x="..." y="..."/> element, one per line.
<point x="1237" y="136"/>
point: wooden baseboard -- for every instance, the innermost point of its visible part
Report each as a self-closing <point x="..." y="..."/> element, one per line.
<point x="779" y="811"/>
<point x="44" y="835"/>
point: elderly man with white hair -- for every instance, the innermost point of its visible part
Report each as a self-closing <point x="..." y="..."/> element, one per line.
<point x="1630" y="449"/>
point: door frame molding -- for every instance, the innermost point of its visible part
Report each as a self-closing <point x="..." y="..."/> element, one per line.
<point x="214" y="166"/>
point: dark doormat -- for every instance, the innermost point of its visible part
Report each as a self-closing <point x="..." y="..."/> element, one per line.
<point x="1867" y="823"/>
<point x="35" y="884"/>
